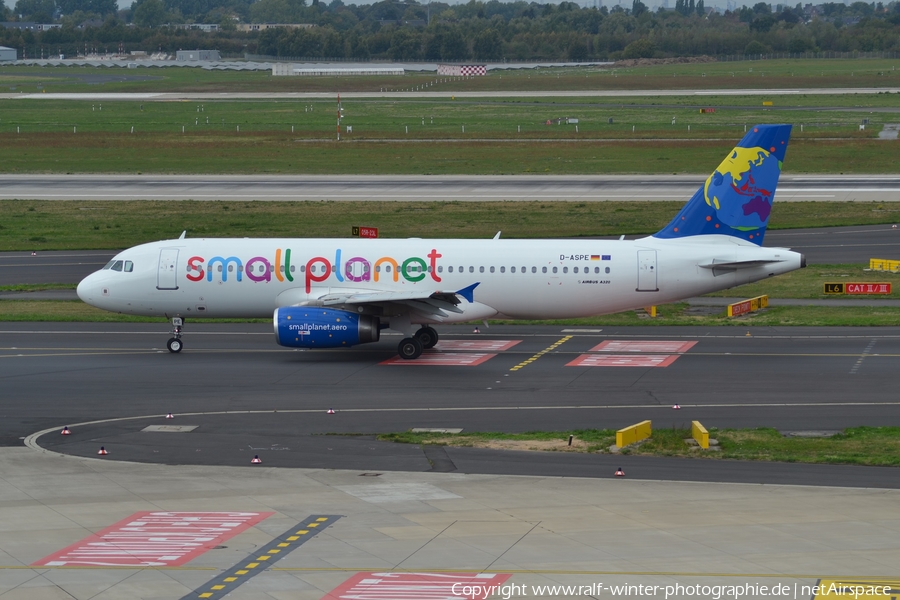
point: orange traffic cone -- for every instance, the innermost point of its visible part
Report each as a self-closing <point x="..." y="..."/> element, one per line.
<point x="676" y="407"/>
<point x="620" y="472"/>
<point x="65" y="431"/>
<point x="330" y="411"/>
<point x="170" y="416"/>
<point x="256" y="460"/>
<point x="102" y="451"/>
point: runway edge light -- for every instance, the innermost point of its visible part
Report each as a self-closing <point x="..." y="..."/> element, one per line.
<point x="256" y="460"/>
<point x="102" y="451"/>
<point x="620" y="472"/>
<point x="65" y="431"/>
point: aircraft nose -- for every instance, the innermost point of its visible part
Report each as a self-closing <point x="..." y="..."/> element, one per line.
<point x="87" y="289"/>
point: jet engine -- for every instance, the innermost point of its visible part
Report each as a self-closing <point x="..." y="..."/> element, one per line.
<point x="316" y="327"/>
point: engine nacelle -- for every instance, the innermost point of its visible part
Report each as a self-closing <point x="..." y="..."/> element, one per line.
<point x="316" y="327"/>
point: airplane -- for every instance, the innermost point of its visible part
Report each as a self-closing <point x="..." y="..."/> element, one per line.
<point x="337" y="293"/>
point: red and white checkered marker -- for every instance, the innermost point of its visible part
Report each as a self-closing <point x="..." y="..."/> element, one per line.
<point x="65" y="431"/>
<point x="256" y="460"/>
<point x="102" y="451"/>
<point x="170" y="416"/>
<point x="676" y="407"/>
<point x="620" y="472"/>
<point x="330" y="411"/>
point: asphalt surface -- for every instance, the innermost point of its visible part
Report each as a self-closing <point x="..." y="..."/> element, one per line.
<point x="830" y="245"/>
<point x="447" y="93"/>
<point x="581" y="188"/>
<point x="248" y="396"/>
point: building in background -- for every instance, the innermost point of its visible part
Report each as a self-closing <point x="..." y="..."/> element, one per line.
<point x="191" y="55"/>
<point x="8" y="54"/>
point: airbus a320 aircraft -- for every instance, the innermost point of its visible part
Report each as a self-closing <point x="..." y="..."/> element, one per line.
<point x="336" y="293"/>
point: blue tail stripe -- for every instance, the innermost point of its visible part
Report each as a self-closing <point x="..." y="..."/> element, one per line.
<point x="737" y="198"/>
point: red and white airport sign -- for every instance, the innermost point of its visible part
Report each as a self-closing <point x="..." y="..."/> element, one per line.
<point x="364" y="232"/>
<point x="419" y="586"/>
<point x="155" y="539"/>
<point x="867" y="288"/>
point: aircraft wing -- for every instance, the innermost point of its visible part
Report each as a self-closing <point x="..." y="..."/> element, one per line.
<point x="435" y="304"/>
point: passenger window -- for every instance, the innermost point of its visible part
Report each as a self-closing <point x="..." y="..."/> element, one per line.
<point x="220" y="268"/>
<point x="503" y="269"/>
<point x="543" y="269"/>
<point x="554" y="269"/>
<point x="534" y="269"/>
<point x="281" y="268"/>
<point x="492" y="269"/>
<point x="387" y="268"/>
<point x="523" y="269"/>
<point x="481" y="269"/>
<point x="596" y="269"/>
<point x="471" y="269"/>
<point x="293" y="268"/>
<point x="440" y="269"/>
<point x="271" y="269"/>
<point x="302" y="268"/>
<point x="129" y="266"/>
<point x="565" y="269"/>
<point x="449" y="269"/>
<point x="575" y="270"/>
<point x="108" y="265"/>
<point x="240" y="268"/>
<point x="117" y="266"/>
<point x="512" y="269"/>
<point x="230" y="268"/>
<point x="365" y="268"/>
<point x="462" y="269"/>
<point x="607" y="269"/>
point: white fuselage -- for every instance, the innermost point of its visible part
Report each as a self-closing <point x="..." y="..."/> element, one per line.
<point x="517" y="279"/>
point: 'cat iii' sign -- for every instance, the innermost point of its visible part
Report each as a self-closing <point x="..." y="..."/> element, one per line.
<point x="858" y="288"/>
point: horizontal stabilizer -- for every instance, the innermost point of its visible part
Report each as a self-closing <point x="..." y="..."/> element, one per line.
<point x="739" y="264"/>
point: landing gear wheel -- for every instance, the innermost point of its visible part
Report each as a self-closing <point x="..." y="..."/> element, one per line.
<point x="174" y="345"/>
<point x="410" y="348"/>
<point x="428" y="336"/>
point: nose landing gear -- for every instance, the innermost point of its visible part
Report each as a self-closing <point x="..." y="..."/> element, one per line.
<point x="175" y="344"/>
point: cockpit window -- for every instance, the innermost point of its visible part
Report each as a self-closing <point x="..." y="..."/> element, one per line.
<point x="117" y="266"/>
<point x="109" y="265"/>
<point x="129" y="266"/>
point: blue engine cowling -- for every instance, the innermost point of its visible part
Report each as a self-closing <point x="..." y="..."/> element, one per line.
<point x="316" y="327"/>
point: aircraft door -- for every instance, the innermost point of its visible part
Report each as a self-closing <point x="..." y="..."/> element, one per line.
<point x="167" y="275"/>
<point x="647" y="271"/>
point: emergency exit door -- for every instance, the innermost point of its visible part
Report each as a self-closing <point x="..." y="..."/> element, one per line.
<point x="166" y="278"/>
<point x="647" y="271"/>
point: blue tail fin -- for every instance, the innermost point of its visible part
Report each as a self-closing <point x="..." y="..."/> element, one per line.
<point x="737" y="198"/>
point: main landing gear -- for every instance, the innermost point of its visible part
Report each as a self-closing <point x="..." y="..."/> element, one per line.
<point x="175" y="344"/>
<point x="411" y="348"/>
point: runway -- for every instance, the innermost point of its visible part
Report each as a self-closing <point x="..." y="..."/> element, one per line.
<point x="246" y="395"/>
<point x="581" y="188"/>
<point x="444" y="94"/>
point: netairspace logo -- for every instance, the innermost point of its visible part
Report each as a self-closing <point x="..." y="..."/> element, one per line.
<point x="713" y="592"/>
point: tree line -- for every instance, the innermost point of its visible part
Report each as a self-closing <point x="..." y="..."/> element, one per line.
<point x="485" y="31"/>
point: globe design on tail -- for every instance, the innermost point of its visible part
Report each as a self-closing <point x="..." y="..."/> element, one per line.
<point x="734" y="189"/>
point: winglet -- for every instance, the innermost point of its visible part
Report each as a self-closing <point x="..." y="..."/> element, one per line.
<point x="469" y="292"/>
<point x="497" y="237"/>
<point x="183" y="233"/>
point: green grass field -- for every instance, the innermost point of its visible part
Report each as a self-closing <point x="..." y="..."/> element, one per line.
<point x="770" y="74"/>
<point x="857" y="445"/>
<point x="52" y="225"/>
<point x="435" y="137"/>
